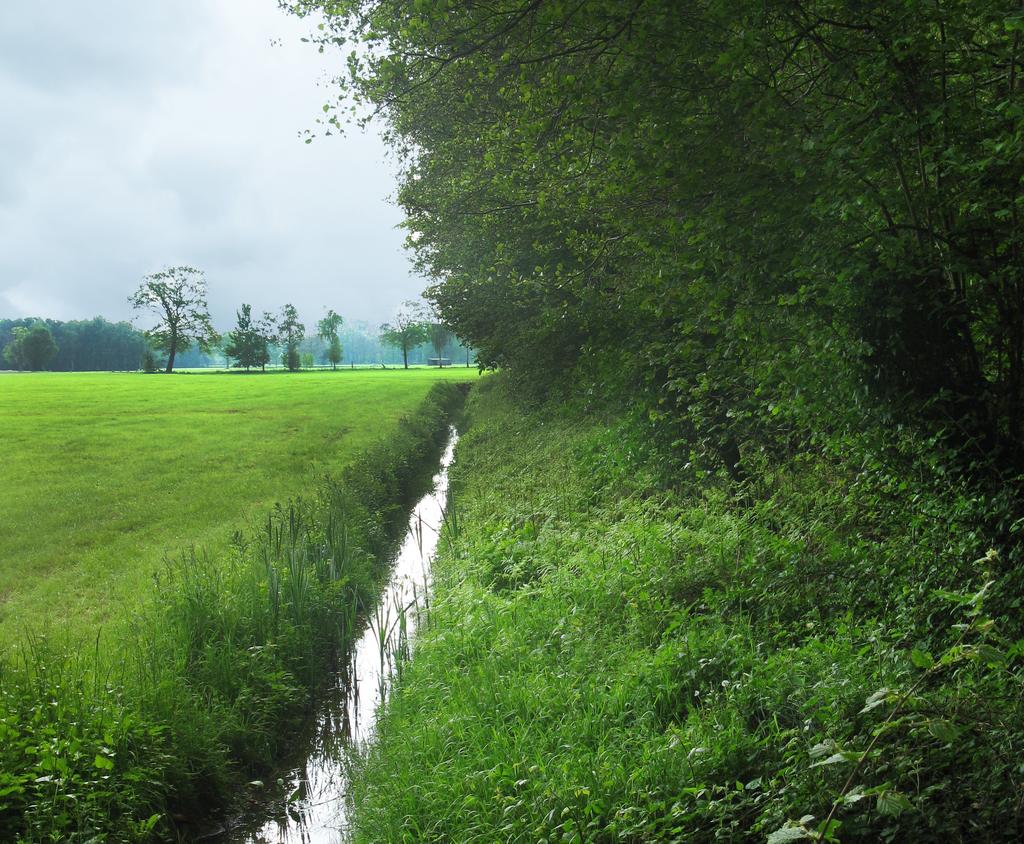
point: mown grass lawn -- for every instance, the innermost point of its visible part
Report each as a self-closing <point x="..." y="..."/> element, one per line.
<point x="104" y="474"/>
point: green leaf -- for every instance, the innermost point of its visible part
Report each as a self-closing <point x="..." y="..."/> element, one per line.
<point x="841" y="756"/>
<point x="788" y="833"/>
<point x="893" y="803"/>
<point x="990" y="655"/>
<point x="821" y="749"/>
<point x="103" y="763"/>
<point x="877" y="699"/>
<point x="944" y="731"/>
<point x="953" y="597"/>
<point x="150" y="823"/>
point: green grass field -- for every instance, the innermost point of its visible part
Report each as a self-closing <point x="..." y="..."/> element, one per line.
<point x="104" y="474"/>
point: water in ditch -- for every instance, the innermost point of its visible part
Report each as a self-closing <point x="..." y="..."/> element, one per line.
<point x="310" y="803"/>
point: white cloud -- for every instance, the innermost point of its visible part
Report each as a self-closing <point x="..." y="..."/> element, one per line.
<point x="138" y="138"/>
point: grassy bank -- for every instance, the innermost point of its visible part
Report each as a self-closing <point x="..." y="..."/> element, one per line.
<point x="829" y="651"/>
<point x="105" y="473"/>
<point x="199" y="685"/>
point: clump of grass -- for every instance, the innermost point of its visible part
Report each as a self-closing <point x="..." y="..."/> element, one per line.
<point x="611" y="659"/>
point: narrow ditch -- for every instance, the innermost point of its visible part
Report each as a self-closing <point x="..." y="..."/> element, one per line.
<point x="310" y="802"/>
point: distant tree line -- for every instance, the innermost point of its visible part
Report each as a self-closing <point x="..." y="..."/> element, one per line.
<point x="362" y="345"/>
<point x="181" y="333"/>
<point x="100" y="345"/>
<point x="78" y="345"/>
<point x="175" y="298"/>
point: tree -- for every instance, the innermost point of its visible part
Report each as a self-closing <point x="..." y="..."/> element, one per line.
<point x="82" y="345"/>
<point x="246" y="344"/>
<point x="600" y="185"/>
<point x="12" y="350"/>
<point x="31" y="347"/>
<point x="290" y="334"/>
<point x="407" y="330"/>
<point x="440" y="336"/>
<point x="334" y="352"/>
<point x="327" y="330"/>
<point x="176" y="296"/>
<point x="266" y="331"/>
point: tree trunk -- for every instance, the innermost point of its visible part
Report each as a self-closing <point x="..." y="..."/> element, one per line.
<point x="172" y="353"/>
<point x="405" y="356"/>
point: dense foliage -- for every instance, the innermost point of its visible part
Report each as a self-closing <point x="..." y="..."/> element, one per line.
<point x="607" y="661"/>
<point x="31" y="347"/>
<point x="753" y="214"/>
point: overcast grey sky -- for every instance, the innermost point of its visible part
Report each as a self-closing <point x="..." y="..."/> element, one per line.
<point x="139" y="134"/>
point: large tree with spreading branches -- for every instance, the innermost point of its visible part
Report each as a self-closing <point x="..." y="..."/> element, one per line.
<point x="176" y="298"/>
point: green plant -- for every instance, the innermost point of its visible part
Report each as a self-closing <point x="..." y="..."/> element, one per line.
<point x="616" y="655"/>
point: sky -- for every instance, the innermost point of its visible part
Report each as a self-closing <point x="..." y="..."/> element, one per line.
<point x="140" y="135"/>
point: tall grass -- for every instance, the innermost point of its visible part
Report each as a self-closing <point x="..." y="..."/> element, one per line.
<point x="215" y="671"/>
<point x="610" y="658"/>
